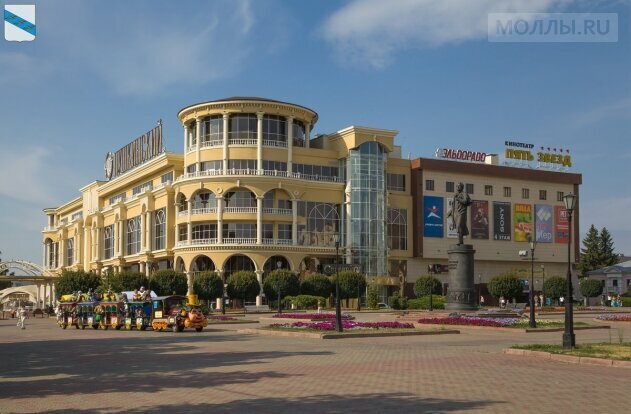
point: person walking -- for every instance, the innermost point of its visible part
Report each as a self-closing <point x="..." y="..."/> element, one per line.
<point x="21" y="318"/>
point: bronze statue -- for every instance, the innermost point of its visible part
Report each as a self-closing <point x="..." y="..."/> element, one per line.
<point x="458" y="212"/>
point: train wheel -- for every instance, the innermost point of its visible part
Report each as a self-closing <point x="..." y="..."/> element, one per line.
<point x="143" y="327"/>
<point x="77" y="325"/>
<point x="175" y="328"/>
<point x="64" y="326"/>
<point x="199" y="329"/>
<point x="82" y="327"/>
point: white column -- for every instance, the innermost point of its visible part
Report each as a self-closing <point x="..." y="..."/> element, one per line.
<point x="148" y="269"/>
<point x="225" y="142"/>
<point x="75" y="249"/>
<point x="99" y="243"/>
<point x="44" y="264"/>
<point x="142" y="266"/>
<point x="259" y="278"/>
<point x="54" y="289"/>
<point x="290" y="143"/>
<point x="143" y="232"/>
<point x="259" y="141"/>
<point x="39" y="288"/>
<point x="56" y="256"/>
<point x="121" y="238"/>
<point x="189" y="282"/>
<point x="189" y="224"/>
<point x="259" y="220"/>
<point x="62" y="255"/>
<point x="294" y="222"/>
<point x="86" y="249"/>
<point x="187" y="142"/>
<point x="92" y="244"/>
<point x="50" y="294"/>
<point x="149" y="225"/>
<point x="220" y="202"/>
<point x="199" y="138"/>
<point x="307" y="134"/>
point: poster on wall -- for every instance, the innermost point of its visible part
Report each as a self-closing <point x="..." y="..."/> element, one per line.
<point x="523" y="222"/>
<point x="501" y="221"/>
<point x="433" y="217"/>
<point x="452" y="233"/>
<point x="543" y="223"/>
<point x="480" y="219"/>
<point x="561" y="227"/>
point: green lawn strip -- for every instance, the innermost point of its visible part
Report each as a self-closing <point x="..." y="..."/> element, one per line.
<point x="349" y="331"/>
<point x="619" y="352"/>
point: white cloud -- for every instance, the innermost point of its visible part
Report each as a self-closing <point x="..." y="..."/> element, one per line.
<point x="373" y="30"/>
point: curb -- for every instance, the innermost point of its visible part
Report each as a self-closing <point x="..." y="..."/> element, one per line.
<point x="569" y="359"/>
<point x="312" y="335"/>
<point x="514" y="330"/>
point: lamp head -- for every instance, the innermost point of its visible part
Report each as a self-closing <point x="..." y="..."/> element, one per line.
<point x="336" y="238"/>
<point x="532" y="246"/>
<point x="570" y="202"/>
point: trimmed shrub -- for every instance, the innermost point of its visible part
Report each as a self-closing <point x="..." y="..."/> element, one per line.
<point x="168" y="282"/>
<point x="591" y="288"/>
<point x="555" y="287"/>
<point x="507" y="285"/>
<point x="397" y="302"/>
<point x="438" y="302"/>
<point x="372" y="299"/>
<point x="125" y="281"/>
<point x="243" y="285"/>
<point x="305" y="301"/>
<point x="316" y="284"/>
<point x="70" y="282"/>
<point x="282" y="279"/>
<point x="208" y="286"/>
<point x="423" y="285"/>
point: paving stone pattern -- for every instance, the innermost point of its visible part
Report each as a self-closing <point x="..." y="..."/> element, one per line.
<point x="47" y="369"/>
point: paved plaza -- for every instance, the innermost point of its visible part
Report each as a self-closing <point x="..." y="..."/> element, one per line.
<point x="46" y="369"/>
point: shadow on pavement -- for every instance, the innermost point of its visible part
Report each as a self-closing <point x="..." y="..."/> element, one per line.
<point x="367" y="403"/>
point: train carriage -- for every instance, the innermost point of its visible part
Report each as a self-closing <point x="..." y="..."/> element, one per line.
<point x="109" y="314"/>
<point x="177" y="312"/>
<point x="66" y="314"/>
<point x="136" y="315"/>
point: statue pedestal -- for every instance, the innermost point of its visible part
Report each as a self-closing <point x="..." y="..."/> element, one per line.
<point x="461" y="293"/>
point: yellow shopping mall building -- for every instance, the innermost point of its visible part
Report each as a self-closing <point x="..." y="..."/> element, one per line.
<point x="253" y="190"/>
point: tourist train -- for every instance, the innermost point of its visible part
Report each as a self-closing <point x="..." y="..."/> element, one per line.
<point x="174" y="312"/>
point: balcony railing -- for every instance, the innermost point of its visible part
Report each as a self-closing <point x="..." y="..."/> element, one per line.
<point x="278" y="241"/>
<point x="271" y="143"/>
<point x="182" y="213"/>
<point x="207" y="210"/>
<point x="234" y="241"/>
<point x="284" y="211"/>
<point x="212" y="143"/>
<point x="241" y="210"/>
<point x="254" y="171"/>
<point x="242" y="141"/>
<point x="50" y="228"/>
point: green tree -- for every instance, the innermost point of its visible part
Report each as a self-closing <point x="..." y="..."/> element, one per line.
<point x="168" y="282"/>
<point x="281" y="279"/>
<point x="372" y="299"/>
<point x="423" y="285"/>
<point x="317" y="285"/>
<point x="397" y="302"/>
<point x="608" y="256"/>
<point x="208" y="286"/>
<point x="352" y="285"/>
<point x="70" y="282"/>
<point x="126" y="281"/>
<point x="507" y="285"/>
<point x="591" y="288"/>
<point x="555" y="287"/>
<point x="243" y="285"/>
<point x="590" y="252"/>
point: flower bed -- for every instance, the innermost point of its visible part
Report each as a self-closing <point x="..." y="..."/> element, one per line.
<point x="615" y="317"/>
<point x="347" y="325"/>
<point x="493" y="322"/>
<point x="312" y="316"/>
<point x="221" y="318"/>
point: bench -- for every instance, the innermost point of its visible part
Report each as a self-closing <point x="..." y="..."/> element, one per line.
<point x="254" y="308"/>
<point x="517" y="306"/>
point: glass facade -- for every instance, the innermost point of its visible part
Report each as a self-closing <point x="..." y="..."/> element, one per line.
<point x="69" y="252"/>
<point x="242" y="127"/>
<point x="397" y="229"/>
<point x="133" y="235"/>
<point x="368" y="208"/>
<point x="160" y="221"/>
<point x="108" y="242"/>
<point x="317" y="223"/>
<point x="212" y="129"/>
<point x="275" y="129"/>
<point x="204" y="199"/>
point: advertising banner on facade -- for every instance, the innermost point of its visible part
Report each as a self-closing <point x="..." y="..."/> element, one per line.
<point x="501" y="221"/>
<point x="480" y="219"/>
<point x="543" y="223"/>
<point x="452" y="233"/>
<point x="433" y="217"/>
<point x="561" y="227"/>
<point x="523" y="222"/>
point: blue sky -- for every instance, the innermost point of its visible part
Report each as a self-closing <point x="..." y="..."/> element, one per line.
<point x="100" y="74"/>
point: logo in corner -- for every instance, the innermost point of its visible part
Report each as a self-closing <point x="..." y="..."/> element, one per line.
<point x="19" y="22"/>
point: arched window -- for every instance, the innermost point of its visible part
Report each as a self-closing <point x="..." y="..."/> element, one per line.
<point x="276" y="262"/>
<point x="236" y="263"/>
<point x="202" y="264"/>
<point x="181" y="203"/>
<point x="397" y="229"/>
<point x="108" y="242"/>
<point x="240" y="198"/>
<point x="133" y="235"/>
<point x="160" y="222"/>
<point x="204" y="200"/>
<point x="69" y="252"/>
<point x="322" y="222"/>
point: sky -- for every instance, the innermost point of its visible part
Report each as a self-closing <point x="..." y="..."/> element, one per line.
<point x="100" y="74"/>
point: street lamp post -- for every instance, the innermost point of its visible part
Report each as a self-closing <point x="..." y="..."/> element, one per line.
<point x="479" y="291"/>
<point x="533" y="322"/>
<point x="543" y="282"/>
<point x="278" y="283"/>
<point x="569" y="339"/>
<point x="338" y="312"/>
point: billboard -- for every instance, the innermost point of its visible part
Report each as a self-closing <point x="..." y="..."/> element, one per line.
<point x="452" y="232"/>
<point x="433" y="217"/>
<point x="501" y="221"/>
<point x="523" y="222"/>
<point x="543" y="223"/>
<point x="561" y="227"/>
<point x="480" y="219"/>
